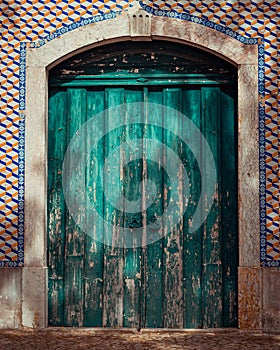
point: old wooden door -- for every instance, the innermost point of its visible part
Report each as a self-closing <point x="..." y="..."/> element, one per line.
<point x="184" y="279"/>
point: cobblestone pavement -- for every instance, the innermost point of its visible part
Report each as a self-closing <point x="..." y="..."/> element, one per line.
<point x="95" y="339"/>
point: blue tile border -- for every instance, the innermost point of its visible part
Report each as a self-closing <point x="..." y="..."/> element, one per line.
<point x="21" y="177"/>
<point x="262" y="164"/>
<point x="21" y="152"/>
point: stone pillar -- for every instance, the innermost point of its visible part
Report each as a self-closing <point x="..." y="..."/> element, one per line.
<point x="249" y="271"/>
<point x="34" y="273"/>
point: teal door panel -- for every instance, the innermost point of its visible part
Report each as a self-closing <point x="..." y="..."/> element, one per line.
<point x="183" y="279"/>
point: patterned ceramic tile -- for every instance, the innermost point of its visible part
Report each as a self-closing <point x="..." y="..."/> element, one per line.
<point x="38" y="22"/>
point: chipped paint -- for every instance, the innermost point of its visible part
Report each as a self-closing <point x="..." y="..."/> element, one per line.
<point x="182" y="280"/>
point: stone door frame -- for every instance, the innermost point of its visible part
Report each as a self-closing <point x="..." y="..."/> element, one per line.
<point x="137" y="24"/>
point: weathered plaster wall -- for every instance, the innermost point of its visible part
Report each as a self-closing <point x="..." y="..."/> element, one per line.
<point x="34" y="24"/>
<point x="10" y="298"/>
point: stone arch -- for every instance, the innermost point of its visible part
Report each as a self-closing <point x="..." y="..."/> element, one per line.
<point x="134" y="25"/>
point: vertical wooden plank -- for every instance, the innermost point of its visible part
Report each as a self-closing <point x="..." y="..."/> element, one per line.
<point x="192" y="254"/>
<point x="212" y="268"/>
<point x="56" y="205"/>
<point x="132" y="177"/>
<point x="113" y="255"/>
<point x="93" y="269"/>
<point x="173" y="248"/>
<point x="229" y="210"/>
<point x="74" y="291"/>
<point x="74" y="254"/>
<point x="153" y="278"/>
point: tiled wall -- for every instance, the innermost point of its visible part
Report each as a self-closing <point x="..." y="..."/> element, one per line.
<point x="36" y="22"/>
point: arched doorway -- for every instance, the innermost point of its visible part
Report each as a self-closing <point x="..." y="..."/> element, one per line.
<point x="184" y="279"/>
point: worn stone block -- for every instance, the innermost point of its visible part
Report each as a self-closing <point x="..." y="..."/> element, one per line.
<point x="211" y="39"/>
<point x="34" y="297"/>
<point x="271" y="299"/>
<point x="35" y="170"/>
<point x="10" y="298"/>
<point x="140" y="23"/>
<point x="248" y="166"/>
<point x="250" y="298"/>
